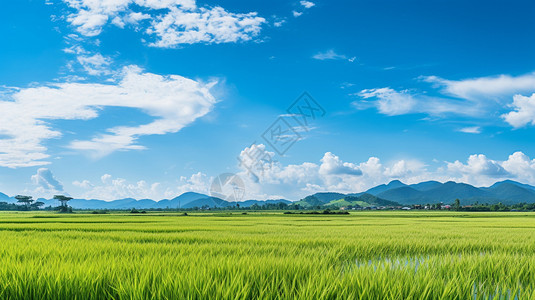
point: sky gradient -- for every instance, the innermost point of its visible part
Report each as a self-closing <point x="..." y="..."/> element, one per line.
<point x="152" y="98"/>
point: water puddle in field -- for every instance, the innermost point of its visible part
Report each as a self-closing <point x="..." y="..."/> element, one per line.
<point x="397" y="262"/>
<point x="497" y="294"/>
<point x="415" y="262"/>
<point x="403" y="261"/>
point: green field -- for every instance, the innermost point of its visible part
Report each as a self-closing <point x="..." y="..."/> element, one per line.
<point x="365" y="255"/>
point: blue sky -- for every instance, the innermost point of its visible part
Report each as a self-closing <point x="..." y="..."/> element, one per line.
<point x="148" y="99"/>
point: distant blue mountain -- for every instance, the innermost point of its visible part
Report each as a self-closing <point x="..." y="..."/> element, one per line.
<point x="426" y="185"/>
<point x="5" y="198"/>
<point x="249" y="203"/>
<point x="404" y="195"/>
<point x="507" y="192"/>
<point x="186" y="200"/>
<point x="385" y="187"/>
<point x="326" y="197"/>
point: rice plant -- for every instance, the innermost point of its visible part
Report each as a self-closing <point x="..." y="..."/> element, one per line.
<point x="375" y="255"/>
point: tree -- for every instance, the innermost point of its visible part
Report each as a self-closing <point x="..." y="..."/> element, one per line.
<point x="63" y="199"/>
<point x="37" y="204"/>
<point x="25" y="200"/>
<point x="457" y="205"/>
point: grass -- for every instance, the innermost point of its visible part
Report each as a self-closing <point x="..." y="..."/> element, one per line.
<point x="365" y="255"/>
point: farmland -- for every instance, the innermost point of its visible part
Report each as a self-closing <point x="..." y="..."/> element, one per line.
<point x="364" y="255"/>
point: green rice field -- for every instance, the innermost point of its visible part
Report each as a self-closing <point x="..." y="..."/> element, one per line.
<point x="364" y="255"/>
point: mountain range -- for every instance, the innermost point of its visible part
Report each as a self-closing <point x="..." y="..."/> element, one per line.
<point x="186" y="200"/>
<point x="507" y="192"/>
<point x="391" y="194"/>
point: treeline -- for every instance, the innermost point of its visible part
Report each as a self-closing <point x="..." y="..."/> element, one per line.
<point x="498" y="207"/>
<point x="457" y="206"/>
<point x="15" y="207"/>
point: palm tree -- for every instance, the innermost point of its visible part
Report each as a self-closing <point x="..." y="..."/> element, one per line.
<point x="37" y="204"/>
<point x="63" y="199"/>
<point x="26" y="200"/>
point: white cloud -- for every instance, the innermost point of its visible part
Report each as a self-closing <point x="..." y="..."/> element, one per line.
<point x="296" y="13"/>
<point x="46" y="182"/>
<point x="307" y="4"/>
<point x="173" y="101"/>
<point x="404" y="168"/>
<point x="332" y="165"/>
<point x="478" y="165"/>
<point x="332" y="174"/>
<point x="105" y="178"/>
<point x="485" y="88"/>
<point x="171" y="22"/>
<point x="96" y="64"/>
<point x="473" y="129"/>
<point x="279" y="23"/>
<point x="476" y="97"/>
<point x="85" y="184"/>
<point x="523" y="113"/>
<point x="198" y="182"/>
<point x="329" y="55"/>
<point x="521" y="166"/>
<point x="214" y="25"/>
<point x="391" y="102"/>
<point x="112" y="188"/>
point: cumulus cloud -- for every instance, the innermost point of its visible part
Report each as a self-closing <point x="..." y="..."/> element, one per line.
<point x="478" y="165"/>
<point x="173" y="101"/>
<point x="85" y="184"/>
<point x="523" y="111"/>
<point x="171" y="22"/>
<point x="332" y="165"/>
<point x="105" y="178"/>
<point x="198" y="182"/>
<point x="332" y="174"/>
<point x="111" y="188"/>
<point x="520" y="166"/>
<point x="46" y="182"/>
<point x="328" y="173"/>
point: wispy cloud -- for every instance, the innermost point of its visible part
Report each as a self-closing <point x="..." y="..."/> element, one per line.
<point x="296" y="13"/>
<point x="473" y="129"/>
<point x="332" y="55"/>
<point x="476" y="97"/>
<point x="307" y="4"/>
<point x="173" y="101"/>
